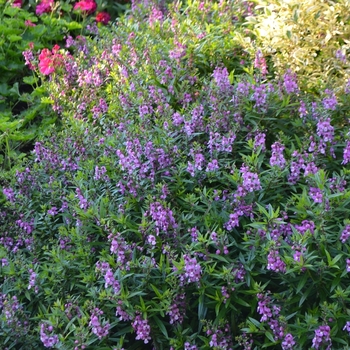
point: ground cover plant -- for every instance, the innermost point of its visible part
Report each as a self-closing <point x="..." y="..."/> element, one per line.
<point x="191" y="200"/>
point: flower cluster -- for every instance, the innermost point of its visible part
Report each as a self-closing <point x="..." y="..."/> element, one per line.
<point x="48" y="338"/>
<point x="103" y="17"/>
<point x="142" y="328"/>
<point x="345" y="234"/>
<point x="277" y="158"/>
<point x="322" y="337"/>
<point x="316" y="194"/>
<point x="162" y="217"/>
<point x="290" y="82"/>
<point x="50" y="60"/>
<point x="192" y="271"/>
<point x="32" y="281"/>
<point x="177" y="309"/>
<point x="288" y="342"/>
<point x="87" y="6"/>
<point x="222" y="81"/>
<point x="274" y="262"/>
<point x="110" y="280"/>
<point x="45" y="6"/>
<point x="95" y="323"/>
<point x="251" y="180"/>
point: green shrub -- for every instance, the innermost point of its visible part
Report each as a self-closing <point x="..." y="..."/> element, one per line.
<point x="309" y="37"/>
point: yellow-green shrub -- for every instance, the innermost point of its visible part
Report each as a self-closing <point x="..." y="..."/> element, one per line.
<point x="305" y="36"/>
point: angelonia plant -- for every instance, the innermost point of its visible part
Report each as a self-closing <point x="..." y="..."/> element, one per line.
<point x="191" y="200"/>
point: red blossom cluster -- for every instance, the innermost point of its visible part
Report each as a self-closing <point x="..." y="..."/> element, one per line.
<point x="103" y="17"/>
<point x="86" y="6"/>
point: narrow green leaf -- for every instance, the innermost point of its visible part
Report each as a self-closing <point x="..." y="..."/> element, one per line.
<point x="161" y="326"/>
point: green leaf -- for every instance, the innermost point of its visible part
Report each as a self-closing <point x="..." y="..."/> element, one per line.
<point x="30" y="80"/>
<point x="74" y="25"/>
<point x="14" y="37"/>
<point x="159" y="295"/>
<point x="255" y="322"/>
<point x="47" y="100"/>
<point x="270" y="337"/>
<point x="301" y="283"/>
<point x="161" y="326"/>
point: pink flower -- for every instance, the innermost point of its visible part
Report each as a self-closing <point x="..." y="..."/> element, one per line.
<point x="48" y="60"/>
<point x="103" y="17"/>
<point x="17" y="3"/>
<point x="29" y="23"/>
<point x="88" y="6"/>
<point x="44" y="7"/>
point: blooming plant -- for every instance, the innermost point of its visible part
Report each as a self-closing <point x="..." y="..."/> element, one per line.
<point x="190" y="201"/>
<point x="26" y="28"/>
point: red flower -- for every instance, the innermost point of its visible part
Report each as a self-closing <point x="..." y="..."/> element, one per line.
<point x="103" y="17"/>
<point x="88" y="6"/>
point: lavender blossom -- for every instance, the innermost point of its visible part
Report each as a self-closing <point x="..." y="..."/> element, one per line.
<point x="142" y="329"/>
<point x="277" y="158"/>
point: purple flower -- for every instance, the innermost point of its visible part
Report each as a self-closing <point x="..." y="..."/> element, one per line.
<point x="47" y="337"/>
<point x="259" y="141"/>
<point x="212" y="166"/>
<point x="347" y="327"/>
<point x="162" y="217"/>
<point x="310" y="168"/>
<point x="346" y="153"/>
<point x="306" y="226"/>
<point x="325" y="130"/>
<point x="266" y="308"/>
<point x="9" y="193"/>
<point x="277" y="158"/>
<point x="302" y="109"/>
<point x="345" y="234"/>
<point x="221" y="78"/>
<point x="83" y="203"/>
<point x="96" y="327"/>
<point x="193" y="270"/>
<point x="340" y="56"/>
<point x="151" y="240"/>
<point x="141" y="328"/>
<point x="288" y="342"/>
<point x="32" y="281"/>
<point x="176" y="310"/>
<point x="243" y="88"/>
<point x="53" y="211"/>
<point x="259" y="97"/>
<point x="290" y="82"/>
<point x="322" y="337"/>
<point x="251" y="180"/>
<point x="330" y="102"/>
<point x="233" y="220"/>
<point x="316" y="194"/>
<point x="274" y="262"/>
<point x="347" y="265"/>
